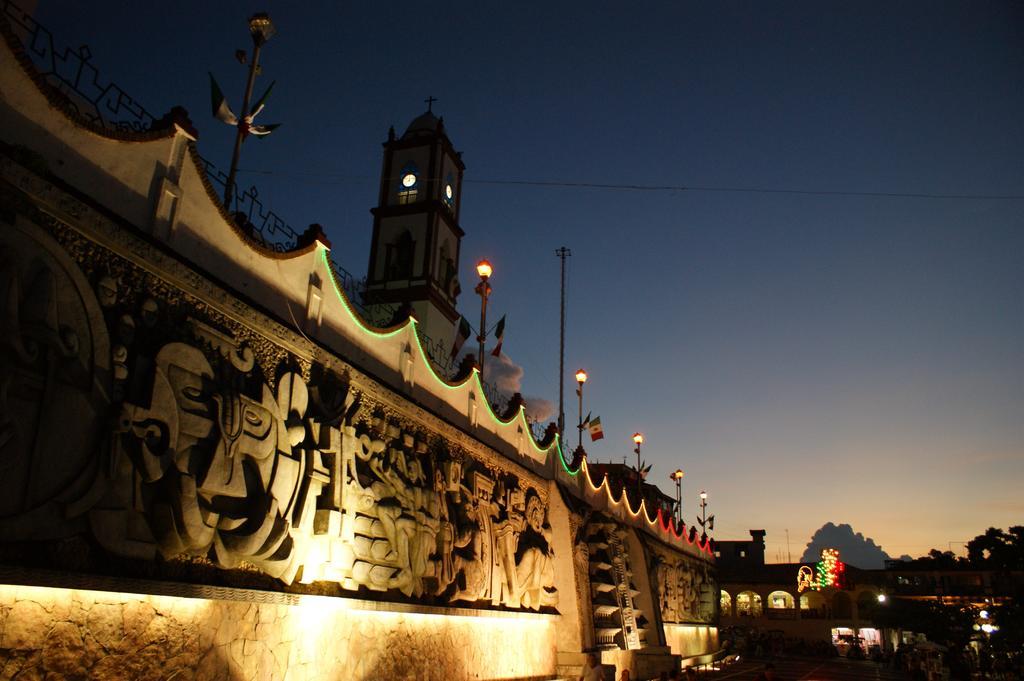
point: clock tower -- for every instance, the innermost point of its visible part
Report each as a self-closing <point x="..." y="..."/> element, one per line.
<point x="414" y="254"/>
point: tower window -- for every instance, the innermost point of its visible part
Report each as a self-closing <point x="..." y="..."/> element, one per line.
<point x="408" y="186"/>
<point x="398" y="257"/>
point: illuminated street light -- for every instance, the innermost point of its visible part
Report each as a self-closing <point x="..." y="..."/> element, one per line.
<point x="483" y="289"/>
<point x="581" y="378"/>
<point x="678" y="477"/>
<point x="706" y="522"/>
<point x="639" y="440"/>
<point x="881" y="598"/>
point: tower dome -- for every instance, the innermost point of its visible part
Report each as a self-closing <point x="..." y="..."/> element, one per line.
<point x="425" y="123"/>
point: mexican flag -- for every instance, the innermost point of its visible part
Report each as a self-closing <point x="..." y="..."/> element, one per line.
<point x="461" y="336"/>
<point x="596" y="433"/>
<point x="499" y="334"/>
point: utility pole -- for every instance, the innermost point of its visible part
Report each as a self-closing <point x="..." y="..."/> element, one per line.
<point x="562" y="253"/>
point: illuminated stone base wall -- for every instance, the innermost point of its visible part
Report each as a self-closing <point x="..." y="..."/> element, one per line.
<point x="62" y="633"/>
<point x="690" y="640"/>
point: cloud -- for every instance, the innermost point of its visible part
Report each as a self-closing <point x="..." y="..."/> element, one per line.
<point x="540" y="410"/>
<point x="854" y="548"/>
<point x="507" y="376"/>
<point x="503" y="374"/>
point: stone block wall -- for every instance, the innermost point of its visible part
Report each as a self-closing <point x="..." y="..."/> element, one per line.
<point x="73" y="634"/>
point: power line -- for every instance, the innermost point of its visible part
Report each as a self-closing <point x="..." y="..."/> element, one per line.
<point x="674" y="188"/>
<point x="745" y="190"/>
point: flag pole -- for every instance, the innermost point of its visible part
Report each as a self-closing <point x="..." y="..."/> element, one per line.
<point x="562" y="253"/>
<point x="261" y="29"/>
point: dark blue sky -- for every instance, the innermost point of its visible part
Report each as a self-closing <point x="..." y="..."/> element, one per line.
<point x="804" y="358"/>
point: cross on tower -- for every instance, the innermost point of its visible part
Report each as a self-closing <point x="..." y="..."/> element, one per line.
<point x="430" y="102"/>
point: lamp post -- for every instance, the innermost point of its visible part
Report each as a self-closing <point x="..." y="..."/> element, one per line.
<point x="483" y="289"/>
<point x="678" y="477"/>
<point x="703" y="512"/>
<point x="581" y="378"/>
<point x="262" y="30"/>
<point x="638" y="438"/>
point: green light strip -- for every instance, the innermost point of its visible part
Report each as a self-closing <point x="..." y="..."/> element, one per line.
<point x="561" y="458"/>
<point x="377" y="334"/>
<point x="369" y="330"/>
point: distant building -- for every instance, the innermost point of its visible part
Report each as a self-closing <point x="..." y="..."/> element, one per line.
<point x="958" y="584"/>
<point x="769" y="597"/>
<point x="735" y="554"/>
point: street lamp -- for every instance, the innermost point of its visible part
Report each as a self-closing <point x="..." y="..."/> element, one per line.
<point x="581" y="378"/>
<point x="639" y="440"/>
<point x="678" y="477"/>
<point x="262" y="29"/>
<point x="704" y="512"/>
<point x="483" y="289"/>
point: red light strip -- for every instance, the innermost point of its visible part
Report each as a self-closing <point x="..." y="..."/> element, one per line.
<point x="666" y="524"/>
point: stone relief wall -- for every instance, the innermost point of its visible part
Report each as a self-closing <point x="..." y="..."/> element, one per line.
<point x="55" y="372"/>
<point x="686" y="587"/>
<point x="152" y="427"/>
<point x="187" y="436"/>
<point x="65" y="634"/>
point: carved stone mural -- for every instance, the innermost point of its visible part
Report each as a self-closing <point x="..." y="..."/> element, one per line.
<point x="210" y="455"/>
<point x="220" y="472"/>
<point x="54" y="385"/>
<point x="686" y="588"/>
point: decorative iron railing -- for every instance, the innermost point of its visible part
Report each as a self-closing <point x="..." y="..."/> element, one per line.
<point x="252" y="216"/>
<point x="445" y="365"/>
<point x="440" y="356"/>
<point x="380" y="315"/>
<point x="72" y="74"/>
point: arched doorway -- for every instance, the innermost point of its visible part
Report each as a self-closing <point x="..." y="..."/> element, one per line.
<point x="748" y="604"/>
<point x="725" y="604"/>
<point x="778" y="600"/>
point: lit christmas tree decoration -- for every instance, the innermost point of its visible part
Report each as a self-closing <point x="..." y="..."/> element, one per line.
<point x="828" y="572"/>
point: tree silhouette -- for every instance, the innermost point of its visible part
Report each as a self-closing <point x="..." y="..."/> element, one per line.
<point x="998" y="550"/>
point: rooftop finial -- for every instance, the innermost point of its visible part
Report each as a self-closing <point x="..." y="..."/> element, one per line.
<point x="430" y="103"/>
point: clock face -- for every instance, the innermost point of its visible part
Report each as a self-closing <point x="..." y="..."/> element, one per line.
<point x="448" y="192"/>
<point x="408" y="180"/>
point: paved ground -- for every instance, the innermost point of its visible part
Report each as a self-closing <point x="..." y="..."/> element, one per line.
<point x="808" y="669"/>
